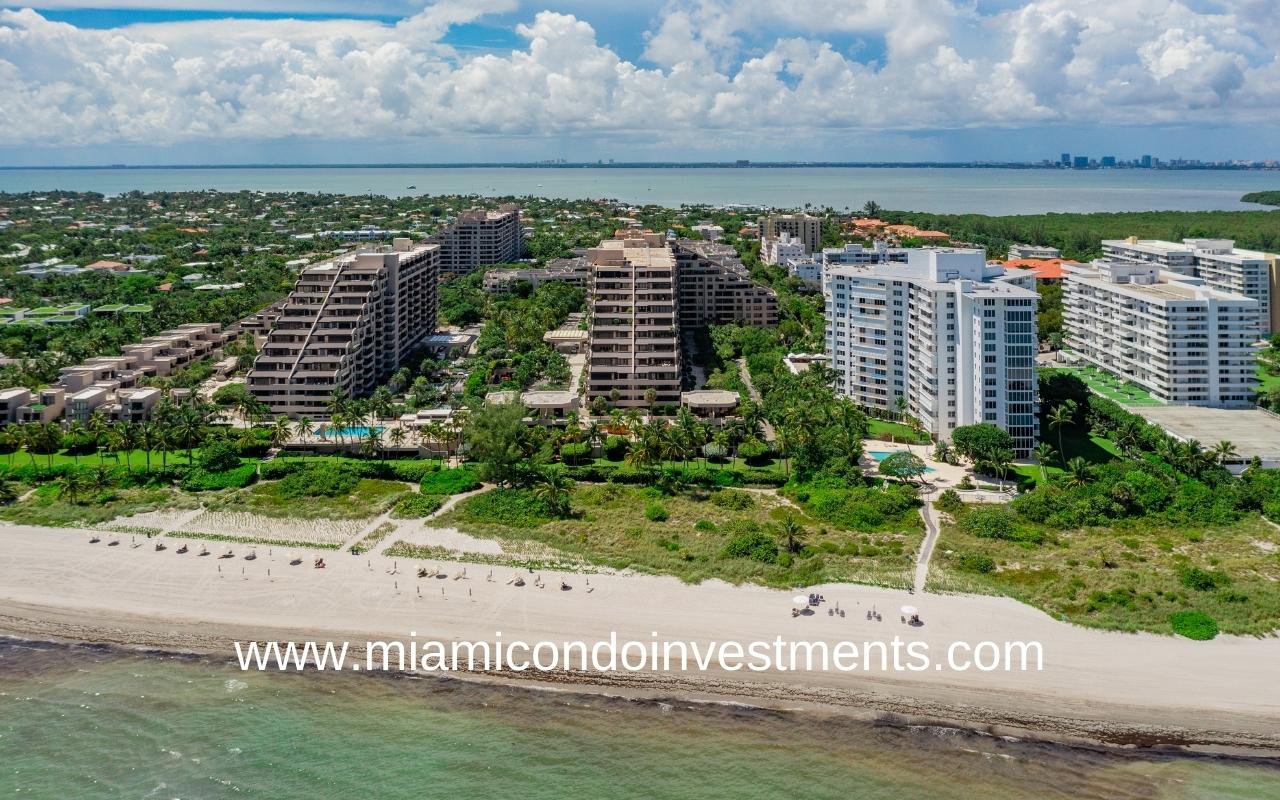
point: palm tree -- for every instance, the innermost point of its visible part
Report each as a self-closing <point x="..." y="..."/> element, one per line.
<point x="1224" y="451"/>
<point x="281" y="432"/>
<point x="783" y="432"/>
<point x="75" y="433"/>
<point x="148" y="438"/>
<point x="1043" y="455"/>
<point x="69" y="486"/>
<point x="188" y="430"/>
<point x="792" y="532"/>
<point x="871" y="208"/>
<point x="553" y="490"/>
<point x="98" y="429"/>
<point x="1061" y="416"/>
<point x="125" y="439"/>
<point x="49" y="439"/>
<point x="397" y="436"/>
<point x="1078" y="473"/>
<point x="302" y="429"/>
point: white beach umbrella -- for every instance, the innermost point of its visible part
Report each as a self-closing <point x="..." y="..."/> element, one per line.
<point x="800" y="600"/>
<point x="910" y="611"/>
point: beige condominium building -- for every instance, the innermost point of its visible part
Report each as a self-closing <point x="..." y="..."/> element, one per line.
<point x="480" y="237"/>
<point x="1221" y="265"/>
<point x="801" y="227"/>
<point x="1173" y="334"/>
<point x="347" y="325"/>
<point x="714" y="288"/>
<point x="633" y="348"/>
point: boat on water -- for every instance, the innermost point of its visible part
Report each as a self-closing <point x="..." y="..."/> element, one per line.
<point x="411" y="186"/>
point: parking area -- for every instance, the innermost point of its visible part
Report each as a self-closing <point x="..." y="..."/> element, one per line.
<point x="1254" y="432"/>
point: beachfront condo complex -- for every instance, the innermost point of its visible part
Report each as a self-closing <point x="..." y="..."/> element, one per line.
<point x="633" y="349"/>
<point x="1175" y="335"/>
<point x="481" y="237"/>
<point x="950" y="334"/>
<point x="348" y="324"/>
<point x="715" y="288"/>
<point x="1221" y="265"/>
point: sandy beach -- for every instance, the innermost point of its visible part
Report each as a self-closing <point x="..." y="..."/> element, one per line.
<point x="1102" y="686"/>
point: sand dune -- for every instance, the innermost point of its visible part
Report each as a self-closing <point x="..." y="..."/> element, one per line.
<point x="1114" y="686"/>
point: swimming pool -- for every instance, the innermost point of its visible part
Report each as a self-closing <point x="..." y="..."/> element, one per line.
<point x="360" y="431"/>
<point x="881" y="455"/>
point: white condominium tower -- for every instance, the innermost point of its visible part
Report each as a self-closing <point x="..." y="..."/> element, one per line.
<point x="481" y="237"/>
<point x="952" y="335"/>
<point x="348" y="324"/>
<point x="1176" y="336"/>
<point x="633" y="348"/>
<point x="1219" y="262"/>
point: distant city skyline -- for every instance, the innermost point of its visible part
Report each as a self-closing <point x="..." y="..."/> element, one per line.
<point x="283" y="81"/>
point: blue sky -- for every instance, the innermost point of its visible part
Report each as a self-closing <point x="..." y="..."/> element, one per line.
<point x="228" y="81"/>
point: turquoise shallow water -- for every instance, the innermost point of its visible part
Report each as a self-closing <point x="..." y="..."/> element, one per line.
<point x="986" y="191"/>
<point x="90" y="723"/>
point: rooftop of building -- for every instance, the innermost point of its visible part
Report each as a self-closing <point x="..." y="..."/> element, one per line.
<point x="1147" y="282"/>
<point x="1045" y="269"/>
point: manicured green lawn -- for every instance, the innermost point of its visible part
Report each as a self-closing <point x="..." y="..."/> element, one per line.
<point x="1267" y="382"/>
<point x="137" y="460"/>
<point x="1112" y="387"/>
<point x="894" y="431"/>
<point x="1076" y="442"/>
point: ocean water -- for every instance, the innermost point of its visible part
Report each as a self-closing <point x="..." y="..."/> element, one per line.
<point x="80" y="722"/>
<point x="986" y="191"/>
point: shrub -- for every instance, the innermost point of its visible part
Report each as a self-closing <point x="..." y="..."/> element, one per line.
<point x="574" y="451"/>
<point x="517" y="508"/>
<point x="735" y="501"/>
<point x="1202" y="580"/>
<point x="704" y="525"/>
<point x="451" y="481"/>
<point x="320" y="480"/>
<point x="199" y="480"/>
<point x="1193" y="625"/>
<point x="753" y="544"/>
<point x="219" y="457"/>
<point x="996" y="522"/>
<point x="975" y="562"/>
<point x="615" y="448"/>
<point x="949" y="502"/>
<point x="965" y="483"/>
<point x="417" y="505"/>
<point x="655" y="512"/>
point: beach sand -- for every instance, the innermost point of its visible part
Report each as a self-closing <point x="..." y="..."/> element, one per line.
<point x="1100" y="686"/>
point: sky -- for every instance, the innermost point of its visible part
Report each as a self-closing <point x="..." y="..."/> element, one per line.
<point x="439" y="81"/>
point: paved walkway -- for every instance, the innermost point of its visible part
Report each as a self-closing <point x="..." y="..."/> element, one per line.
<point x="769" y="435"/>
<point x="926" y="547"/>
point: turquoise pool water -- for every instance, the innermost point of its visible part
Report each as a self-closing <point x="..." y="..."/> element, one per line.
<point x="360" y="431"/>
<point x="881" y="455"/>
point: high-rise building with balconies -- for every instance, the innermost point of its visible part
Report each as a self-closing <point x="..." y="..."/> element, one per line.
<point x="1173" y="334"/>
<point x="347" y="325"/>
<point x="633" y="348"/>
<point x="949" y="334"/>
<point x="481" y="237"/>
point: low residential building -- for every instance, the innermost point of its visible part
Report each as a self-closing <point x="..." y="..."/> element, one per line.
<point x="1171" y="333"/>
<point x="714" y="287"/>
<point x="348" y="324"/>
<point x="82" y="404"/>
<point x="1017" y="251"/>
<point x="782" y="249"/>
<point x="946" y="334"/>
<point x="480" y="237"/>
<point x="709" y="231"/>
<point x="47" y="407"/>
<point x="1221" y="265"/>
<point x="711" y="403"/>
<point x="573" y="271"/>
<point x="1047" y="270"/>
<point x="803" y="228"/>
<point x="11" y="400"/>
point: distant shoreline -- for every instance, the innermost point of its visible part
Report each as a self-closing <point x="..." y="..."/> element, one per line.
<point x="656" y="165"/>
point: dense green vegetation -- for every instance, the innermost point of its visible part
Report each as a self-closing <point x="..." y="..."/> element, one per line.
<point x="1264" y="198"/>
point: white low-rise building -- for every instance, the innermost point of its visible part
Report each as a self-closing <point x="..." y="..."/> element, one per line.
<point x="1174" y="335"/>
<point x="1020" y="251"/>
<point x="779" y="250"/>
<point x="951" y="335"/>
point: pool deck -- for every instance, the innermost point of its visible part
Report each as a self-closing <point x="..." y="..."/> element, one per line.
<point x="944" y="476"/>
